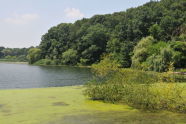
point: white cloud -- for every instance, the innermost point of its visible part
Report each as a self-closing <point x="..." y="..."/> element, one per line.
<point x="21" y="19"/>
<point x="73" y="13"/>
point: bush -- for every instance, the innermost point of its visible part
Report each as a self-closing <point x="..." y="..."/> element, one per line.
<point x="69" y="57"/>
<point x="153" y="55"/>
<point x="140" y="89"/>
<point x="34" y="54"/>
<point x="45" y="62"/>
<point x="106" y="66"/>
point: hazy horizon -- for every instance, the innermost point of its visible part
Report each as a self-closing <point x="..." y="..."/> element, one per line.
<point x="24" y="22"/>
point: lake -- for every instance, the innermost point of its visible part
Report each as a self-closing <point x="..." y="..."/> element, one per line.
<point x="13" y="76"/>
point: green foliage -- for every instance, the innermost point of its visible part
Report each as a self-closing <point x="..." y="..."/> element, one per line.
<point x="141" y="52"/>
<point x="121" y="51"/>
<point x="162" y="61"/>
<point x="182" y="70"/>
<point x="13" y="54"/>
<point x="155" y="31"/>
<point x="69" y="57"/>
<point x="180" y="53"/>
<point x="106" y="66"/>
<point x="140" y="89"/>
<point x="34" y="54"/>
<point x="116" y="33"/>
<point x="153" y="55"/>
<point x="139" y="37"/>
<point x="46" y="62"/>
<point x="148" y="37"/>
<point x="182" y="37"/>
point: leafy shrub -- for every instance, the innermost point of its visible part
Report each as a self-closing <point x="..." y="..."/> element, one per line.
<point x="153" y="55"/>
<point x="34" y="54"/>
<point x="45" y="62"/>
<point x="69" y="57"/>
<point x="140" y="89"/>
<point x="106" y="66"/>
<point x="141" y="52"/>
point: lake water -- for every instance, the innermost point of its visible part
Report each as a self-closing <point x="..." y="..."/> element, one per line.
<point x="14" y="76"/>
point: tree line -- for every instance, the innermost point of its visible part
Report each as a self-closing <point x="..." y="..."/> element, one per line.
<point x="14" y="54"/>
<point x="152" y="34"/>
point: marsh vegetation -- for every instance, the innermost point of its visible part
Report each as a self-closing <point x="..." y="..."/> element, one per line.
<point x="140" y="89"/>
<point x="54" y="106"/>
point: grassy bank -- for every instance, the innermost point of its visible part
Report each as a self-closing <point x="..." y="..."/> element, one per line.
<point x="68" y="105"/>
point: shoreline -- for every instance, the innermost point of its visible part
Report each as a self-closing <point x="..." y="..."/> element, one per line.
<point x="62" y="65"/>
<point x="9" y="62"/>
<point x="35" y="88"/>
<point x="49" y="104"/>
<point x="63" y="105"/>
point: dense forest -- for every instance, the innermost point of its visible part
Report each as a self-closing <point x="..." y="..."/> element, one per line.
<point x="148" y="37"/>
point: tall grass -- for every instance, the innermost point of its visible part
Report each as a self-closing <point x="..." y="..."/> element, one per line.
<point x="140" y="89"/>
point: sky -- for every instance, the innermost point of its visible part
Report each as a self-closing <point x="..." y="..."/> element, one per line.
<point x="23" y="22"/>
